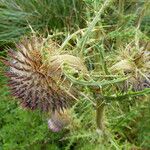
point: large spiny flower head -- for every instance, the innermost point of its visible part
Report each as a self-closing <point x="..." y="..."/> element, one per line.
<point x="36" y="73"/>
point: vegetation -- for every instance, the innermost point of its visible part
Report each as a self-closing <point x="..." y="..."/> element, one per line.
<point x="113" y="39"/>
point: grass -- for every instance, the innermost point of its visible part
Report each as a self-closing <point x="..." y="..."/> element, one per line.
<point x="110" y="28"/>
<point x="20" y="17"/>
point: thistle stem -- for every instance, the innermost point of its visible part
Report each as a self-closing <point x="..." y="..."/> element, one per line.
<point x="100" y="107"/>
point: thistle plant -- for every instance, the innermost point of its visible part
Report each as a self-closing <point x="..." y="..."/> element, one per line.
<point x="86" y="82"/>
<point x="44" y="76"/>
<point x="36" y="78"/>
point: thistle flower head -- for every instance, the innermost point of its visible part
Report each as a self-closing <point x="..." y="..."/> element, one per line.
<point x="136" y="65"/>
<point x="59" y="120"/>
<point x="35" y="72"/>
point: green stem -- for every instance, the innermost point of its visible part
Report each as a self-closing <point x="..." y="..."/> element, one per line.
<point x="100" y="107"/>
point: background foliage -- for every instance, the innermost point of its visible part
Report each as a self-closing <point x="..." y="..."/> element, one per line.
<point x="127" y="120"/>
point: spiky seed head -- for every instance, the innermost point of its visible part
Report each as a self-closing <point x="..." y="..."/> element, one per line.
<point x="136" y="65"/>
<point x="34" y="71"/>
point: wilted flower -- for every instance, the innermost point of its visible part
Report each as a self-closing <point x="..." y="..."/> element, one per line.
<point x="35" y="75"/>
<point x="136" y="65"/>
